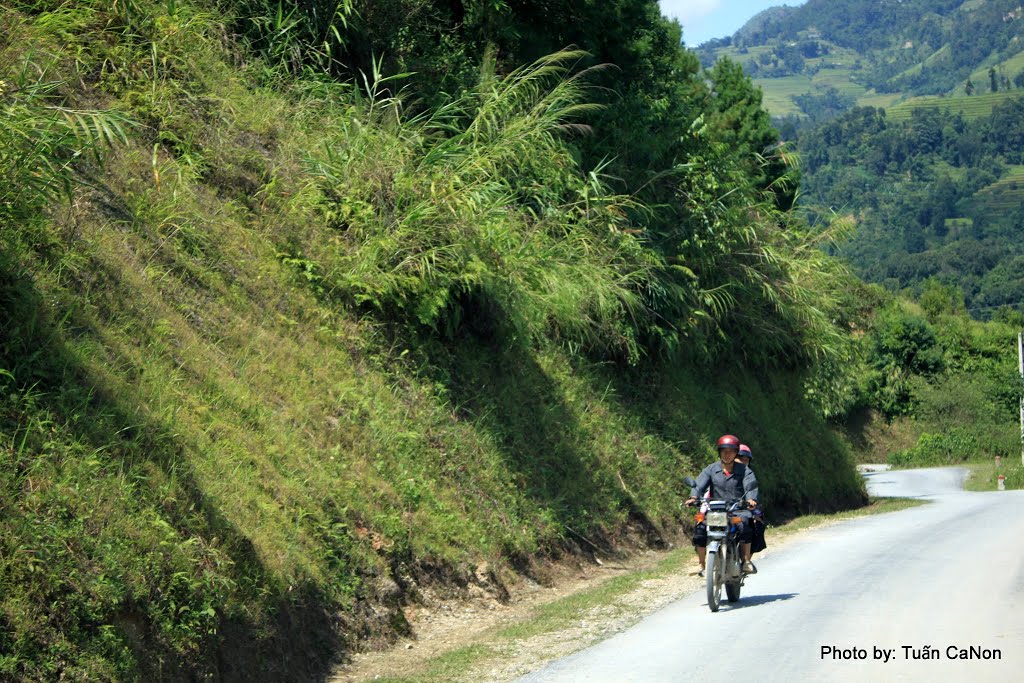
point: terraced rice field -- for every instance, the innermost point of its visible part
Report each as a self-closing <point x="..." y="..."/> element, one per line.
<point x="880" y="100"/>
<point x="840" y="79"/>
<point x="835" y="70"/>
<point x="972" y="107"/>
<point x="742" y="57"/>
<point x="1006" y="194"/>
<point x="779" y="92"/>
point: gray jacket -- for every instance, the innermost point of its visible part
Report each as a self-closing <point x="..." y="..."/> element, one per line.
<point x="741" y="485"/>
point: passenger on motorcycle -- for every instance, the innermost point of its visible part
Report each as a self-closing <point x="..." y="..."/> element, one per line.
<point x="729" y="480"/>
<point x="757" y="516"/>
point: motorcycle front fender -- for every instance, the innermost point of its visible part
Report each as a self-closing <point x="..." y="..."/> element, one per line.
<point x="713" y="546"/>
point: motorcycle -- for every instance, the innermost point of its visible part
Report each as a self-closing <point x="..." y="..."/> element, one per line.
<point x="723" y="561"/>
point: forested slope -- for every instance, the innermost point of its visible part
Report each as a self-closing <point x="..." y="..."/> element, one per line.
<point x="936" y="195"/>
<point x="932" y="182"/>
<point x="828" y="54"/>
<point x="287" y="337"/>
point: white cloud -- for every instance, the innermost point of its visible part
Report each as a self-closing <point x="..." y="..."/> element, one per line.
<point x="688" y="10"/>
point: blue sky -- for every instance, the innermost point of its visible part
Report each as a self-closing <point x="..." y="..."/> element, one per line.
<point x="706" y="19"/>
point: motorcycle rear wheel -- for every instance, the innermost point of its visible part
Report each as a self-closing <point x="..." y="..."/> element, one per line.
<point x="732" y="590"/>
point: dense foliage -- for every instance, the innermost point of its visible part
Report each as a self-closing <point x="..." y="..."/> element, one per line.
<point x="652" y="91"/>
<point x="933" y="196"/>
<point x="951" y="380"/>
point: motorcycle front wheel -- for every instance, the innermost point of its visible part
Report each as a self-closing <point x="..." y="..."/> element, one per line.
<point x="714" y="576"/>
<point x="732" y="586"/>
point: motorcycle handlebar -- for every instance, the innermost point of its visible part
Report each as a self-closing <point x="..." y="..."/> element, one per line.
<point x="731" y="506"/>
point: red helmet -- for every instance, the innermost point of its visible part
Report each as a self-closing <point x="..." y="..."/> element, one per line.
<point x="745" y="451"/>
<point x="728" y="441"/>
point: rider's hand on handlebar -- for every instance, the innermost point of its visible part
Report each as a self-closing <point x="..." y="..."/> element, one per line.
<point x="690" y="502"/>
<point x="751" y="504"/>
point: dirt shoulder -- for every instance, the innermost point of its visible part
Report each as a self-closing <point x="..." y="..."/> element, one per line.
<point x="483" y="639"/>
<point x="484" y="623"/>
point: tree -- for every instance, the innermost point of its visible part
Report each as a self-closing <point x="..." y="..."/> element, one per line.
<point x="1009" y="316"/>
<point x="913" y="238"/>
<point x="742" y="122"/>
<point x="969" y="88"/>
<point x="937" y="299"/>
<point x="901" y="345"/>
<point x="824" y="104"/>
<point x="993" y="79"/>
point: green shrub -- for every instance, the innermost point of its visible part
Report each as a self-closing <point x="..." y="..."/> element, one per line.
<point x="902" y="347"/>
<point x="41" y="139"/>
<point x="959" y="444"/>
<point x="907" y="341"/>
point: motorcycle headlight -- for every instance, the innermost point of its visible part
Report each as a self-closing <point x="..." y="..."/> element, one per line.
<point x="717" y="519"/>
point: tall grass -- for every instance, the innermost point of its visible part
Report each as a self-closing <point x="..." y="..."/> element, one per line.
<point x="479" y="209"/>
<point x="41" y="138"/>
<point x="298" y="36"/>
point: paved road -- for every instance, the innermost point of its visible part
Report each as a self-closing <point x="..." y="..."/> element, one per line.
<point x="946" y="576"/>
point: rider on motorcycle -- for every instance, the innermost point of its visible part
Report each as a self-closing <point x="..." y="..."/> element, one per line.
<point x="729" y="480"/>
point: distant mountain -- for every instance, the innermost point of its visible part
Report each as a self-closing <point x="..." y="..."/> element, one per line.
<point x="764" y="23"/>
<point x="856" y="24"/>
<point x="909" y="116"/>
<point x="876" y="52"/>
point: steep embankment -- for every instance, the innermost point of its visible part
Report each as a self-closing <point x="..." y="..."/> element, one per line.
<point x="213" y="465"/>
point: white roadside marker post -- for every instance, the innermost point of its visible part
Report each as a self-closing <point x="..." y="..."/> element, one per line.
<point x="1020" y="358"/>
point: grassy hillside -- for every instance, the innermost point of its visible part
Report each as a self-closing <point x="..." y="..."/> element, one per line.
<point x="211" y="472"/>
<point x="218" y="462"/>
<point x="1009" y="67"/>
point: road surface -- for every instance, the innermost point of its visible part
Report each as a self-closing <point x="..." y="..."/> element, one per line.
<point x="923" y="587"/>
